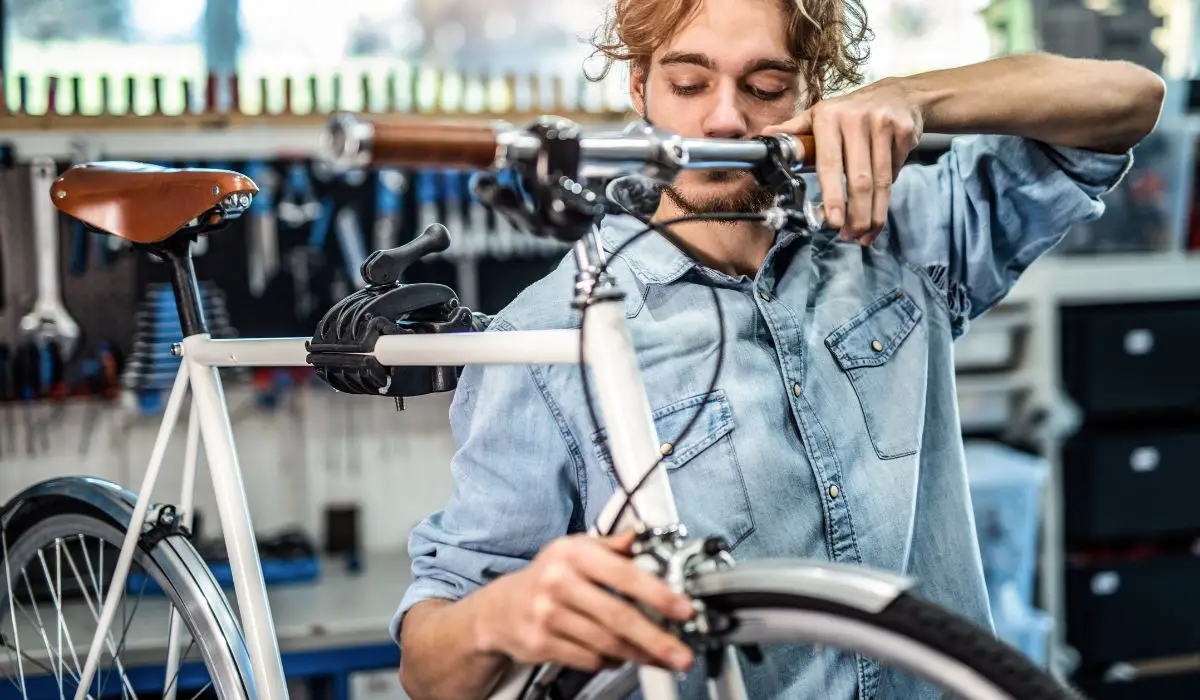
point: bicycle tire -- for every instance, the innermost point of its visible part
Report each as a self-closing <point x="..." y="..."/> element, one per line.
<point x="907" y="632"/>
<point x="69" y="506"/>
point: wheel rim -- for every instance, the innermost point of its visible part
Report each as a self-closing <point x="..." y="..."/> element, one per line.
<point x="57" y="574"/>
<point x="777" y="626"/>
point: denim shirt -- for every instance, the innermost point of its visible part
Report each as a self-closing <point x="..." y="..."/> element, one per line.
<point x="834" y="432"/>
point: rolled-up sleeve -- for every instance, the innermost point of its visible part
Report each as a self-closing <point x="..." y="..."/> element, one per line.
<point x="977" y="218"/>
<point x="515" y="486"/>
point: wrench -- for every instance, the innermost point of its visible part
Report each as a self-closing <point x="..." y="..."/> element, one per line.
<point x="49" y="319"/>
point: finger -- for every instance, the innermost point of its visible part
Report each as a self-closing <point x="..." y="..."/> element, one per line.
<point x="628" y="623"/>
<point x="800" y="124"/>
<point x="899" y="157"/>
<point x="621" y="543"/>
<point x="881" y="169"/>
<point x="856" y="139"/>
<point x="585" y="632"/>
<point x="549" y="648"/>
<point x="622" y="576"/>
<point x="829" y="169"/>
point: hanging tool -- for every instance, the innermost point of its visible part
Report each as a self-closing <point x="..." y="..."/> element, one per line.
<point x="48" y="320"/>
<point x="25" y="377"/>
<point x="264" y="97"/>
<point x="365" y="87"/>
<point x="7" y="159"/>
<point x="105" y="96"/>
<point x="235" y="95"/>
<point x="8" y="394"/>
<point x="287" y="95"/>
<point x="389" y="188"/>
<point x="156" y="94"/>
<point x="298" y="205"/>
<point x="100" y="381"/>
<point x="427" y="200"/>
<point x="263" y="238"/>
<point x="351" y="244"/>
<point x="131" y="95"/>
<point x="186" y="86"/>
<point x="52" y="95"/>
<point x="76" y="94"/>
<point x="305" y="259"/>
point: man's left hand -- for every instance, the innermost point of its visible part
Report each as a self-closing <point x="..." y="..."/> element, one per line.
<point x="864" y="136"/>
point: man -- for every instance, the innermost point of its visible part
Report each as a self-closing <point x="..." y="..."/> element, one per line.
<point x="834" y="433"/>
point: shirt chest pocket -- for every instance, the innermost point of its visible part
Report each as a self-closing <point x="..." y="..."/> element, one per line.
<point x="885" y="362"/>
<point x="706" y="478"/>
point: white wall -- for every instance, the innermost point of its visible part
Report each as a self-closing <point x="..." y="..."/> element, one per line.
<point x="324" y="448"/>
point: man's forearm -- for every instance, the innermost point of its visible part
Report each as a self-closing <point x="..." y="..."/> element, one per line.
<point x="1101" y="105"/>
<point x="439" y="658"/>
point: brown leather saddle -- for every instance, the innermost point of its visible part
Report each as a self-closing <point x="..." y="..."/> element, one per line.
<point x="145" y="203"/>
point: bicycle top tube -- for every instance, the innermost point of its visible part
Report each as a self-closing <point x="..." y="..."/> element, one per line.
<point x="351" y="141"/>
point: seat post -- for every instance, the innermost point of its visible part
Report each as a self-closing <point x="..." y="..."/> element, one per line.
<point x="177" y="252"/>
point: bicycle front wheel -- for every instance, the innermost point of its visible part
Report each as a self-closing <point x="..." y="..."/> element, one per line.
<point x="173" y="636"/>
<point x="770" y="606"/>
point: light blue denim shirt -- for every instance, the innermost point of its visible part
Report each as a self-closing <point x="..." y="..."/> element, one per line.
<point x="834" y="434"/>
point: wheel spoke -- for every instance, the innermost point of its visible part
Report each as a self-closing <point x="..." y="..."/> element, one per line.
<point x="12" y="612"/>
<point x="41" y="627"/>
<point x="108" y="638"/>
<point x="201" y="691"/>
<point x="125" y="629"/>
<point x="168" y="689"/>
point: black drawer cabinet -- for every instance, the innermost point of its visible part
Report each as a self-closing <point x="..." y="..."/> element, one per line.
<point x="1134" y="610"/>
<point x="1129" y="485"/>
<point x="1129" y="358"/>
<point x="1182" y="686"/>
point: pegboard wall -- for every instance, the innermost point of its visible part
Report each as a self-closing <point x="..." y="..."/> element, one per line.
<point x="393" y="466"/>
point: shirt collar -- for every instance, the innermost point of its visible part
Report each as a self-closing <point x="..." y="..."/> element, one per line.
<point x="631" y="201"/>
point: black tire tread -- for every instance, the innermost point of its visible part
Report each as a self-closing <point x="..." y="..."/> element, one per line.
<point x="912" y="617"/>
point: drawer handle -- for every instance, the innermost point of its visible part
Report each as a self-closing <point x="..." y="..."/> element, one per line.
<point x="1139" y="341"/>
<point x="1106" y="583"/>
<point x="1144" y="459"/>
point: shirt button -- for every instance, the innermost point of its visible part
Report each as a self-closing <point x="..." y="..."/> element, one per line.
<point x="764" y="296"/>
<point x="796" y="389"/>
<point x="666" y="448"/>
<point x="876" y="346"/>
<point x="833" y="491"/>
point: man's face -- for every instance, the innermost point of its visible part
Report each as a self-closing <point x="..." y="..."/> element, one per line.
<point x="725" y="74"/>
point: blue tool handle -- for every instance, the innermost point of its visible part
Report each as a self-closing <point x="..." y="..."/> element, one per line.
<point x="298" y="183"/>
<point x="387" y="199"/>
<point x="264" y="201"/>
<point x="79" y="248"/>
<point x="451" y="187"/>
<point x="320" y="227"/>
<point x="427" y="187"/>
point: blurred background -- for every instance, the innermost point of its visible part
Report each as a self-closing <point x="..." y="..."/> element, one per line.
<point x="1079" y="394"/>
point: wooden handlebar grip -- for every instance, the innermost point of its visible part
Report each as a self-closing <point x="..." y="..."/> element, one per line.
<point x="435" y="145"/>
<point x="807" y="147"/>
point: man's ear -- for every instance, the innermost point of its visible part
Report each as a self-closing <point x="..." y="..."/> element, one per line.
<point x="637" y="89"/>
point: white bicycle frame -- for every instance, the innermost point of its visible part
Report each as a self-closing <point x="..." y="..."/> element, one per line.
<point x="633" y="441"/>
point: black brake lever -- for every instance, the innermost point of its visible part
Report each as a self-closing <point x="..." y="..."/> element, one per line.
<point x="384" y="267"/>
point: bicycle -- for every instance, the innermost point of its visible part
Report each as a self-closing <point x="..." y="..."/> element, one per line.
<point x="398" y="339"/>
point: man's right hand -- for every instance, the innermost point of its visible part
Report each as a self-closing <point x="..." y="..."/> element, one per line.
<point x="555" y="611"/>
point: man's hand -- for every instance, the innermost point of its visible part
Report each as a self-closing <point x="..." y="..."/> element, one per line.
<point x="555" y="611"/>
<point x="864" y="136"/>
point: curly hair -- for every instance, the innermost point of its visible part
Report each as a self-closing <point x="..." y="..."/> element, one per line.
<point x="827" y="37"/>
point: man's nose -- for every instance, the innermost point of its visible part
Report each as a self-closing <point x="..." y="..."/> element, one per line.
<point x="725" y="118"/>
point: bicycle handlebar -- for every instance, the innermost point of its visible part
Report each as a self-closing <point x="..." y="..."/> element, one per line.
<point x="350" y="141"/>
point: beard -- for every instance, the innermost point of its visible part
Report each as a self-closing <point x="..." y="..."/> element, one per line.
<point x="749" y="198"/>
